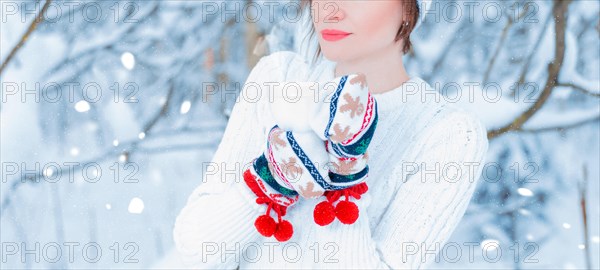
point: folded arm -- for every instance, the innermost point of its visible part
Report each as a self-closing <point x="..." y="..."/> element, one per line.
<point x="242" y="141"/>
<point x="245" y="133"/>
<point x="437" y="186"/>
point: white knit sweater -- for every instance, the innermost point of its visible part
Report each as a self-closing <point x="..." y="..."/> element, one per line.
<point x="425" y="160"/>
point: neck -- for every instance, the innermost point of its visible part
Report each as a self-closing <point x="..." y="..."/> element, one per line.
<point x="384" y="70"/>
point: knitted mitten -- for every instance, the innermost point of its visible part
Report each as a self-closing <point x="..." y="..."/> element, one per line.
<point x="298" y="164"/>
<point x="329" y="160"/>
<point x="347" y="117"/>
<point x="291" y="165"/>
<point x="347" y="121"/>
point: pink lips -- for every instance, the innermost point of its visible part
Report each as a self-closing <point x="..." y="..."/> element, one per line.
<point x="333" y="35"/>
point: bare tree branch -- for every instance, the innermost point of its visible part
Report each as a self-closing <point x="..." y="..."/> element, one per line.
<point x="38" y="19"/>
<point x="164" y="109"/>
<point x="561" y="128"/>
<point x="111" y="153"/>
<point x="582" y="186"/>
<point x="560" y="12"/>
<point x="503" y="37"/>
<point x="579" y="88"/>
<point x="456" y="36"/>
<point x="534" y="50"/>
<point x="135" y="146"/>
<point x="252" y="36"/>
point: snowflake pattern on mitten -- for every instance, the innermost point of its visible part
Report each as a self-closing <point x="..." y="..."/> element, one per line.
<point x="291" y="165"/>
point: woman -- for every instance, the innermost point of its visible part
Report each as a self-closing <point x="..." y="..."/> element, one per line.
<point x="425" y="157"/>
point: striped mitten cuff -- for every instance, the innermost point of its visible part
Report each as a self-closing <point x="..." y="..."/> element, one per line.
<point x="348" y="175"/>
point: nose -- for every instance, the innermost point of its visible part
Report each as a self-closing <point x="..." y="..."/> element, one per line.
<point x="334" y="11"/>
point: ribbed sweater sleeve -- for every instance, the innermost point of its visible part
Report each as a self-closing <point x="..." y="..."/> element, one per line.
<point x="433" y="190"/>
<point x="241" y="143"/>
<point x="244" y="135"/>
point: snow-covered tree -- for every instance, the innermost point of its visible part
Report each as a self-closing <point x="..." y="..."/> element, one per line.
<point x="111" y="109"/>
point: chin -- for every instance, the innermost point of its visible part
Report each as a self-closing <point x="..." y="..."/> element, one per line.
<point x="334" y="55"/>
<point x="341" y="54"/>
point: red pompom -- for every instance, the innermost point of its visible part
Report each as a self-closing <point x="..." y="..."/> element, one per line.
<point x="284" y="231"/>
<point x="346" y="212"/>
<point x="361" y="188"/>
<point x="265" y="225"/>
<point x="324" y="213"/>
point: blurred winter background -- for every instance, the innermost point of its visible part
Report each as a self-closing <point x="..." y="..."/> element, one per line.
<point x="110" y="108"/>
